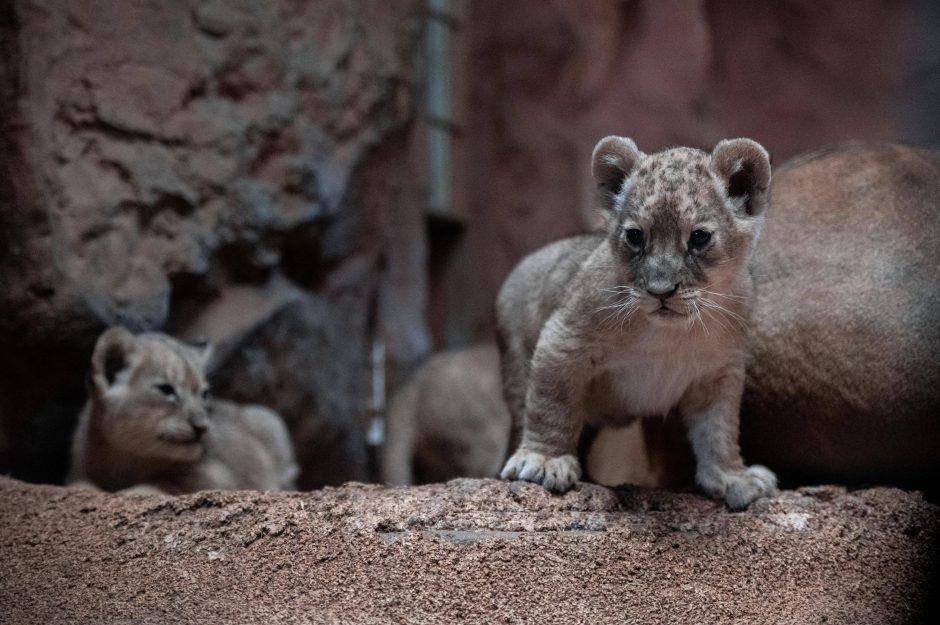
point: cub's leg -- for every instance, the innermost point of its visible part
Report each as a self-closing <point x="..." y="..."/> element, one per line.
<point x="710" y="412"/>
<point x="553" y="415"/>
<point x="398" y="452"/>
<point x="514" y="366"/>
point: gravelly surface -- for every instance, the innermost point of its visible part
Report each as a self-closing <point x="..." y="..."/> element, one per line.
<point x="465" y="551"/>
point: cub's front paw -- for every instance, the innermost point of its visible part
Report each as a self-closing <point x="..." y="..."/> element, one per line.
<point x="755" y="482"/>
<point x="739" y="488"/>
<point x="557" y="474"/>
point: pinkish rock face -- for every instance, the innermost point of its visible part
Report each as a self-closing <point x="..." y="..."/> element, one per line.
<point x="152" y="136"/>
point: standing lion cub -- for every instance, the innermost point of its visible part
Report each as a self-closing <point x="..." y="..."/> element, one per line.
<point x="643" y="320"/>
<point x="149" y="424"/>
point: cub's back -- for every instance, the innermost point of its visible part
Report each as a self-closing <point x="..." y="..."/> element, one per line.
<point x="538" y="285"/>
<point x="249" y="446"/>
<point x="449" y="420"/>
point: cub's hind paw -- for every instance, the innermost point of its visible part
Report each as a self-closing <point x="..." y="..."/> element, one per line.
<point x="753" y="483"/>
<point x="557" y="474"/>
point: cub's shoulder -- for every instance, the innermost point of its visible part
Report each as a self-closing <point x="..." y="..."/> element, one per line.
<point x="544" y="273"/>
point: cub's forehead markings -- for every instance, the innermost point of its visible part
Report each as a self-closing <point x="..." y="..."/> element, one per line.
<point x="149" y="364"/>
<point x="675" y="181"/>
<point x="193" y="379"/>
<point x="689" y="185"/>
<point x="187" y="370"/>
<point x="170" y="365"/>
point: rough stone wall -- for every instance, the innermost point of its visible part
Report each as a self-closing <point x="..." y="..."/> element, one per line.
<point x="158" y="158"/>
<point x="544" y="80"/>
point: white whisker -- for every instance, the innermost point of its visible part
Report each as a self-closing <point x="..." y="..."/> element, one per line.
<point x="621" y="309"/>
<point x="723" y="314"/>
<point x="738" y="298"/>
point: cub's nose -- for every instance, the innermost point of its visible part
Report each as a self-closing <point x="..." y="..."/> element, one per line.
<point x="199" y="425"/>
<point x="199" y="429"/>
<point x="662" y="290"/>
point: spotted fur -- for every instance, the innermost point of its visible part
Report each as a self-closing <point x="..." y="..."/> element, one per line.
<point x="648" y="318"/>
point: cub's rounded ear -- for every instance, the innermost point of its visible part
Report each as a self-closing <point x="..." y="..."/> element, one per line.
<point x="613" y="160"/>
<point x="743" y="166"/>
<point x="204" y="352"/>
<point x="111" y="356"/>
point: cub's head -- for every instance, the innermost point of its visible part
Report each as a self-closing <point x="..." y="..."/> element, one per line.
<point x="683" y="224"/>
<point x="149" y="394"/>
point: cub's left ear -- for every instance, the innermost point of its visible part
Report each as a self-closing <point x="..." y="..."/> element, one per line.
<point x="743" y="166"/>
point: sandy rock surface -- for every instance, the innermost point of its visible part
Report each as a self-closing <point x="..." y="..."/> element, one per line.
<point x="465" y="551"/>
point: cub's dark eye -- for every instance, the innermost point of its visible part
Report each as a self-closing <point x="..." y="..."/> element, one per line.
<point x="699" y="239"/>
<point x="166" y="389"/>
<point x="206" y="395"/>
<point x="634" y="237"/>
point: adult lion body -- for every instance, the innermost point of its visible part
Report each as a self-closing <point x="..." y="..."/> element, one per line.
<point x="844" y="383"/>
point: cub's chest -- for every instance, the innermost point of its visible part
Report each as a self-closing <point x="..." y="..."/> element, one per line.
<point x="627" y="385"/>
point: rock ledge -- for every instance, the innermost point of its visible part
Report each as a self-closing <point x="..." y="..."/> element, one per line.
<point x="468" y="550"/>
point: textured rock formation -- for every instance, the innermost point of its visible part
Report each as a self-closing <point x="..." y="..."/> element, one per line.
<point x="466" y="551"/>
<point x="156" y="155"/>
<point x="287" y="362"/>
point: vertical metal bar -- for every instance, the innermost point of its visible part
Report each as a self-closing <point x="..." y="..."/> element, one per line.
<point x="375" y="436"/>
<point x="439" y="109"/>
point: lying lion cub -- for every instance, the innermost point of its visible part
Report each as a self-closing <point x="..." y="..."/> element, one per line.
<point x="646" y="319"/>
<point x="149" y="424"/>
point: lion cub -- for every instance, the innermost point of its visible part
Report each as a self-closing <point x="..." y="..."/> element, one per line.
<point x="448" y="421"/>
<point x="648" y="318"/>
<point x="149" y="424"/>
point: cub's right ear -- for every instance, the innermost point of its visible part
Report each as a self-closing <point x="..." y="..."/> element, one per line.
<point x="111" y="356"/>
<point x="613" y="160"/>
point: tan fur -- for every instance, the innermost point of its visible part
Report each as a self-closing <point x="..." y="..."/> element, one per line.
<point x="649" y="452"/>
<point x="600" y="330"/>
<point x="448" y="421"/>
<point x="149" y="424"/>
<point x="845" y="381"/>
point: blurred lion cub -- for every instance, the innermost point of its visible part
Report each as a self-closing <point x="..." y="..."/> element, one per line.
<point x="149" y="424"/>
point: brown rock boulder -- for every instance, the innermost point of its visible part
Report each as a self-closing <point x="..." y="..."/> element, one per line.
<point x="466" y="551"/>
